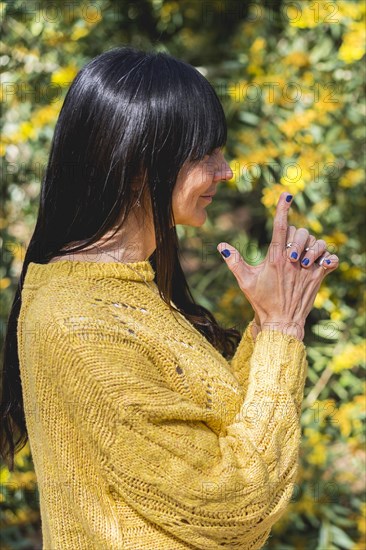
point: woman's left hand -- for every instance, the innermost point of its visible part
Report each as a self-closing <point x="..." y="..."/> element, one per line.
<point x="308" y="249"/>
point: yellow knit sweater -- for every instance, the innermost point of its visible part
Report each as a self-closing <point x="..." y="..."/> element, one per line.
<point x="143" y="436"/>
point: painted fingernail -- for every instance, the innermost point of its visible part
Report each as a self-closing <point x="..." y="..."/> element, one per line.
<point x="225" y="253"/>
<point x="294" y="255"/>
<point x="288" y="198"/>
<point x="305" y="261"/>
<point x="327" y="262"/>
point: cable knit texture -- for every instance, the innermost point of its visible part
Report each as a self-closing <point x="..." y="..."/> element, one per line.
<point x="142" y="435"/>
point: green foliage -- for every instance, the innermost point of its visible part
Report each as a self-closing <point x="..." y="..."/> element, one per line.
<point x="291" y="81"/>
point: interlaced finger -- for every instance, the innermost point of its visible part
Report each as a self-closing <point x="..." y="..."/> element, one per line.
<point x="313" y="251"/>
<point x="298" y="244"/>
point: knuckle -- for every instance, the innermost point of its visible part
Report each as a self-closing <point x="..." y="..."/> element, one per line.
<point x="318" y="247"/>
<point x="312" y="241"/>
<point x="280" y="224"/>
<point x="304" y="231"/>
<point x="311" y="252"/>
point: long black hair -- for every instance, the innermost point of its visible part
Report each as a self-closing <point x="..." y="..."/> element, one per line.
<point x="127" y="113"/>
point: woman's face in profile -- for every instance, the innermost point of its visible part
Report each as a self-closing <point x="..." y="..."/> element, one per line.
<point x="195" y="182"/>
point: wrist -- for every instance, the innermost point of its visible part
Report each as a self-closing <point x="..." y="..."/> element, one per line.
<point x="255" y="328"/>
<point x="289" y="327"/>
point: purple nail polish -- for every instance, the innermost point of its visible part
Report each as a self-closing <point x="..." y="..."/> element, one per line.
<point x="327" y="262"/>
<point x="305" y="261"/>
<point x="225" y="253"/>
<point x="294" y="255"/>
<point x="288" y="198"/>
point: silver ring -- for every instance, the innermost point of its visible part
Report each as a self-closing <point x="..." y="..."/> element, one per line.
<point x="288" y="245"/>
<point x="306" y="249"/>
<point x="321" y="262"/>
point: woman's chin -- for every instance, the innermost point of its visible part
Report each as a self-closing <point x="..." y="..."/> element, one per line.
<point x="197" y="218"/>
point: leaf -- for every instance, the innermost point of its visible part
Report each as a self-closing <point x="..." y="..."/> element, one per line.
<point x="321" y="51"/>
<point x="341" y="538"/>
<point x="249" y="118"/>
<point x="325" y="330"/>
<point x="324" y="536"/>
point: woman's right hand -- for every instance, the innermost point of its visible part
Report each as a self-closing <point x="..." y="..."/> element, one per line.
<point x="280" y="290"/>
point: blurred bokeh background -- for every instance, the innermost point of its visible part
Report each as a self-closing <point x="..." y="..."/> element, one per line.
<point x="291" y="78"/>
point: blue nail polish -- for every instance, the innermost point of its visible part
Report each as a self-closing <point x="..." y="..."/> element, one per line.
<point x="288" y="198"/>
<point x="294" y="255"/>
<point x="327" y="262"/>
<point x="225" y="253"/>
<point x="305" y="261"/>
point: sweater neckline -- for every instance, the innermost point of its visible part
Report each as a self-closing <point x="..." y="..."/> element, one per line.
<point x="129" y="271"/>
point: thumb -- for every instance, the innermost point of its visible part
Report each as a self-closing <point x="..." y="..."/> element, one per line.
<point x="234" y="261"/>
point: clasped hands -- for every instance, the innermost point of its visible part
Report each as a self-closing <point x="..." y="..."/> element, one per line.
<point x="283" y="287"/>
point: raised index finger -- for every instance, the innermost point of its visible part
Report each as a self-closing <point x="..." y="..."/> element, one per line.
<point x="280" y="222"/>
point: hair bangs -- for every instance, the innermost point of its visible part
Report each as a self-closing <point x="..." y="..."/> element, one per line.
<point x="209" y="130"/>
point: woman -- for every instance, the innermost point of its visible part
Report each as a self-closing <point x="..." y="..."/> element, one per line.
<point x="151" y="426"/>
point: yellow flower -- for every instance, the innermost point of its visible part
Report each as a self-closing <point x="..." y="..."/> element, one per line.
<point x="91" y="14"/>
<point x="353" y="45"/>
<point x="254" y="69"/>
<point x="227" y="299"/>
<point x="361" y="523"/>
<point x="334" y="240"/>
<point x="45" y="115"/>
<point x="300" y="121"/>
<point x="316" y="442"/>
<point x="167" y="10"/>
<point x="25" y="479"/>
<point x="26" y="131"/>
<point x="311" y="14"/>
<point x="343" y="266"/>
<point x="79" y="32"/>
<point x="258" y="45"/>
<point x="293" y="186"/>
<point x="305" y="505"/>
<point x="308" y="78"/>
<point x="325" y="101"/>
<point x="305" y="138"/>
<point x="320" y="207"/>
<point x="64" y="75"/>
<point x="351" y="356"/>
<point x="351" y="10"/>
<point x="235" y="168"/>
<point x="348" y="417"/>
<point x="303" y="16"/>
<point x="53" y="37"/>
<point x="41" y="116"/>
<point x="4" y="283"/>
<point x="260" y="155"/>
<point x="351" y="178"/>
<point x="290" y="148"/>
<point x="337" y="315"/>
<point x="354" y="273"/>
<point x="297" y="59"/>
<point x="271" y="194"/>
<point x="315" y="225"/>
<point x="322" y="298"/>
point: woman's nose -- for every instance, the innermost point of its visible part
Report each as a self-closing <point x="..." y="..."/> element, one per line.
<point x="223" y="172"/>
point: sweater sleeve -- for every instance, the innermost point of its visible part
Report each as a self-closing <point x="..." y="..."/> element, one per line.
<point x="209" y="489"/>
<point x="240" y="362"/>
